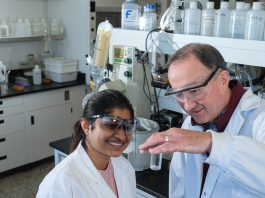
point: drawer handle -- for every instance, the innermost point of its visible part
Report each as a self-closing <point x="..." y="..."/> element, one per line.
<point x="32" y="120"/>
<point x="3" y="157"/>
<point x="2" y="121"/>
<point x="2" y="139"/>
<point x="1" y="102"/>
<point x="1" y="112"/>
<point x="66" y="95"/>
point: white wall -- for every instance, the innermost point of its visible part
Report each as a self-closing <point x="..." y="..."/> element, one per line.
<point x="13" y="53"/>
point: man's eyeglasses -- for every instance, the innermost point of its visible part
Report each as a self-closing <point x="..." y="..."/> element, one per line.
<point x="113" y="122"/>
<point x="194" y="92"/>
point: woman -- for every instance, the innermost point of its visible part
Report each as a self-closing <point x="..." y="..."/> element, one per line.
<point x="96" y="168"/>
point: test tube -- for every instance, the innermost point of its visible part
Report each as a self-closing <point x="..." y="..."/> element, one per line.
<point x="156" y="162"/>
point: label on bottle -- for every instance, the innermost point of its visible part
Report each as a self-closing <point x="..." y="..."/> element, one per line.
<point x="130" y="18"/>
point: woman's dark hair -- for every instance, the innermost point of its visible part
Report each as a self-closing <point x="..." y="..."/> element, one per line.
<point x="209" y="56"/>
<point x="103" y="102"/>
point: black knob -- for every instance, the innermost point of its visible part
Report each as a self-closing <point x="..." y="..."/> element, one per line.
<point x="128" y="60"/>
<point x="128" y="74"/>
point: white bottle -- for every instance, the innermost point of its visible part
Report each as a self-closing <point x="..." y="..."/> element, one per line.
<point x="12" y="20"/>
<point x="130" y="14"/>
<point x="149" y="17"/>
<point x="221" y="23"/>
<point x="179" y="20"/>
<point x="36" y="75"/>
<point x="20" y="28"/>
<point x="44" y="27"/>
<point x="192" y="19"/>
<point x="207" y="19"/>
<point x="4" y="30"/>
<point x="55" y="27"/>
<point x="255" y="22"/>
<point x="238" y="21"/>
<point x="36" y="27"/>
<point x="28" y="28"/>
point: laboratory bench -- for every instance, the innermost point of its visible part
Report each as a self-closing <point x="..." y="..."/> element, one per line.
<point x="43" y="87"/>
<point x="150" y="183"/>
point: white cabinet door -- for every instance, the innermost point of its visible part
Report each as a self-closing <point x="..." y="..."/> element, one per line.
<point x="77" y="93"/>
<point x="47" y="125"/>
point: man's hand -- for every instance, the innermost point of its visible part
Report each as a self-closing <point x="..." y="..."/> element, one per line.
<point x="176" y="139"/>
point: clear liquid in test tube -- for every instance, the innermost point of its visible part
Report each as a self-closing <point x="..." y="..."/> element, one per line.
<point x="156" y="161"/>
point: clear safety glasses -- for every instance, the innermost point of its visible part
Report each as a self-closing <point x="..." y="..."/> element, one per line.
<point x="113" y="122"/>
<point x="194" y="92"/>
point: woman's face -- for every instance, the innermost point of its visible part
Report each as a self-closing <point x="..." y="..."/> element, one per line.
<point x="102" y="141"/>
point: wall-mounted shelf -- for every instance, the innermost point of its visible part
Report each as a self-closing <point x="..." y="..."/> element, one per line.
<point x="239" y="51"/>
<point x="27" y="39"/>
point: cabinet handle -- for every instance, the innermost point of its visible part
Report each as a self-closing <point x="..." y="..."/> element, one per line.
<point x="3" y="157"/>
<point x="1" y="102"/>
<point x="1" y="112"/>
<point x="32" y="120"/>
<point x="66" y="95"/>
<point x="2" y="139"/>
<point x="2" y="121"/>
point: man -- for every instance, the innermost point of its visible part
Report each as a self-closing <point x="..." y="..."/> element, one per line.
<point x="225" y="129"/>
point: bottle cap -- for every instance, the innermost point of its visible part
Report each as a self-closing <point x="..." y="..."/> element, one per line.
<point x="224" y="5"/>
<point x="210" y="5"/>
<point x="240" y="5"/>
<point x="193" y="4"/>
<point x="256" y="6"/>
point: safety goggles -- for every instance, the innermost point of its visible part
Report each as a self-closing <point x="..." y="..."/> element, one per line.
<point x="114" y="123"/>
<point x="194" y="92"/>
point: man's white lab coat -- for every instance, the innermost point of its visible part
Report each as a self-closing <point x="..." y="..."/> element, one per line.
<point x="77" y="177"/>
<point x="237" y="159"/>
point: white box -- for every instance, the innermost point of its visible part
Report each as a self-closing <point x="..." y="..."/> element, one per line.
<point x="61" y="77"/>
<point x="61" y="65"/>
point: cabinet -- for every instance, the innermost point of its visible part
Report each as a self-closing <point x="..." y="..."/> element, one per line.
<point x="30" y="122"/>
<point x="51" y="117"/>
<point x="13" y="147"/>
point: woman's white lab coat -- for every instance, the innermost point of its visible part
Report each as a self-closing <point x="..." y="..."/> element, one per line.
<point x="237" y="159"/>
<point x="77" y="177"/>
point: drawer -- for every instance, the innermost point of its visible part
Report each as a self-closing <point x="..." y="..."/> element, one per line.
<point x="47" y="99"/>
<point x="6" y="102"/>
<point x="13" y="159"/>
<point x="11" y="124"/>
<point x="5" y="111"/>
<point x="12" y="142"/>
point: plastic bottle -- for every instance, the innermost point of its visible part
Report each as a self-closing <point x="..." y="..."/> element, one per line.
<point x="221" y="23"/>
<point x="4" y="30"/>
<point x="55" y="27"/>
<point x="36" y="75"/>
<point x="247" y="6"/>
<point x="44" y="27"/>
<point x="192" y="19"/>
<point x="207" y="19"/>
<point x="101" y="50"/>
<point x="238" y="21"/>
<point x="12" y="20"/>
<point x="149" y="17"/>
<point x="179" y="19"/>
<point x="20" y="28"/>
<point x="130" y="14"/>
<point x="255" y="22"/>
<point x="28" y="28"/>
<point x="36" y="27"/>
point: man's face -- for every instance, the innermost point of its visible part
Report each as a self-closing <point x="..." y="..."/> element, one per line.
<point x="203" y="104"/>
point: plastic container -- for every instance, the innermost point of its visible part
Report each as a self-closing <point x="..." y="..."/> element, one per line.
<point x="130" y="15"/>
<point x="20" y="28"/>
<point x="12" y="20"/>
<point x="4" y="30"/>
<point x="36" y="75"/>
<point x="238" y="21"/>
<point x="101" y="50"/>
<point x="36" y="27"/>
<point x="222" y="18"/>
<point x="192" y="19"/>
<point x="60" y="77"/>
<point x="149" y="18"/>
<point x="28" y="28"/>
<point x="55" y="27"/>
<point x="255" y="22"/>
<point x="207" y="20"/>
<point x="61" y="65"/>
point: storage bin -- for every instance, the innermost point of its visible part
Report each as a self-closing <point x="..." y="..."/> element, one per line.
<point x="61" y="65"/>
<point x="60" y="77"/>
